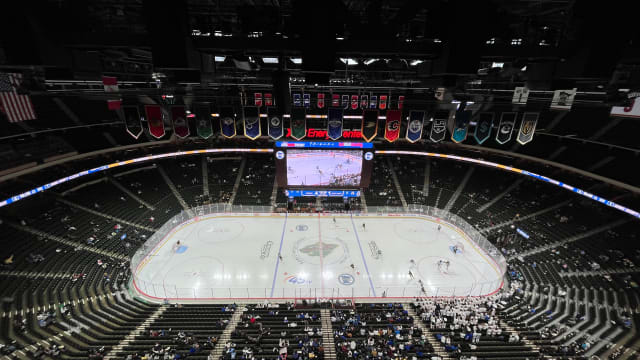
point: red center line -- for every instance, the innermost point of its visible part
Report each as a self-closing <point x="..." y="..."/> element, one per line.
<point x="321" y="256"/>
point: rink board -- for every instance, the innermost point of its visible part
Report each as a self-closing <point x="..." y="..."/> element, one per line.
<point x="235" y="256"/>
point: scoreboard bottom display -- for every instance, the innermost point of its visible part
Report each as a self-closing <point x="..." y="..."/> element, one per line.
<point x="322" y="193"/>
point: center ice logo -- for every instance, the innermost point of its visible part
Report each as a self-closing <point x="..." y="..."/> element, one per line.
<point x="314" y="249"/>
<point x="346" y="279"/>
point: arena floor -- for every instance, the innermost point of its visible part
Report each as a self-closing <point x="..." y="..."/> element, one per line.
<point x="222" y="256"/>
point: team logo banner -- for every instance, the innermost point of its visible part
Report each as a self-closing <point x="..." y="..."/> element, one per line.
<point x="320" y="102"/>
<point x="268" y="99"/>
<point x="527" y="127"/>
<point x="520" y="95"/>
<point x="154" y="119"/>
<point x="369" y="124"/>
<point x="335" y="100"/>
<point x="334" y="123"/>
<point x="373" y="104"/>
<point x="180" y="124"/>
<point x="307" y="100"/>
<point x="563" y="99"/>
<point x="383" y="102"/>
<point x="132" y="122"/>
<point x="354" y="102"/>
<point x="482" y="131"/>
<point x="298" y="123"/>
<point x="297" y="99"/>
<point x="364" y="101"/>
<point x="251" y="119"/>
<point x="345" y="101"/>
<point x="505" y="128"/>
<point x="414" y="128"/>
<point x="227" y="122"/>
<point x="631" y="111"/>
<point x="203" y="120"/>
<point x="439" y="126"/>
<point x="276" y="129"/>
<point x="459" y="133"/>
<point x="392" y="125"/>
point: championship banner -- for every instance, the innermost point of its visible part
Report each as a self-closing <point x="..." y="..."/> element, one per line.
<point x="180" y="124"/>
<point x="383" y="102"/>
<point x="203" y="120"/>
<point x="334" y="123"/>
<point x="132" y="122"/>
<point x="345" y="101"/>
<point x="439" y="126"/>
<point x="414" y="128"/>
<point x="400" y="101"/>
<point x="373" y="104"/>
<point x="369" y="124"/>
<point x="227" y="122"/>
<point x="257" y="99"/>
<point x="505" y="128"/>
<point x="298" y="123"/>
<point x="354" y="102"/>
<point x="482" y="131"/>
<point x="297" y="99"/>
<point x="111" y="86"/>
<point x="527" y="127"/>
<point x="251" y="120"/>
<point x="461" y="125"/>
<point x="320" y="102"/>
<point x="520" y="95"/>
<point x="268" y="99"/>
<point x="154" y="120"/>
<point x="275" y="124"/>
<point x="306" y="100"/>
<point x="335" y="100"/>
<point x="392" y="125"/>
<point x="364" y="101"/>
<point x="631" y="111"/>
<point x="563" y="99"/>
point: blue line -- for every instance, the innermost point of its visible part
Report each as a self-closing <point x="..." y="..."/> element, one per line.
<point x="355" y="231"/>
<point x="275" y="273"/>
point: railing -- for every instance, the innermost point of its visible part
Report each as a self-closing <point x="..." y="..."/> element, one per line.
<point x="175" y="291"/>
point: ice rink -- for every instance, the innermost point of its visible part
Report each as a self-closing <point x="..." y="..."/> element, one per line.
<point x="259" y="256"/>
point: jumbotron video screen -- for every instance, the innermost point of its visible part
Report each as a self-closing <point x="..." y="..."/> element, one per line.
<point x="332" y="168"/>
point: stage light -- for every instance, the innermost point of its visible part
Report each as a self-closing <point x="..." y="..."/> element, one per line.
<point x="270" y="60"/>
<point x="219" y="58"/>
<point x="349" y="61"/>
<point x="370" y="61"/>
<point x="497" y="64"/>
<point x="296" y="61"/>
<point x="416" y="62"/>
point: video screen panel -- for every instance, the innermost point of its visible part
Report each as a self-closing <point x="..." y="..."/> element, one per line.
<point x="324" y="167"/>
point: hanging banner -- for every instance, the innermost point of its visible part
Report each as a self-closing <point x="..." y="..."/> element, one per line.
<point x="520" y="95"/>
<point x="631" y="111"/>
<point x="461" y="125"/>
<point x="345" y="101"/>
<point x="297" y="99"/>
<point x="132" y="122"/>
<point x="306" y="100"/>
<point x="298" y="123"/>
<point x="354" y="102"/>
<point x="415" y="125"/>
<point x="203" y="120"/>
<point x="320" y="102"/>
<point x="383" y="102"/>
<point x="335" y="100"/>
<point x="154" y="120"/>
<point x="369" y="124"/>
<point x="275" y="124"/>
<point x="563" y="99"/>
<point x="180" y="124"/>
<point x="400" y="101"/>
<point x="439" y="126"/>
<point x="527" y="127"/>
<point x="334" y="123"/>
<point x="257" y="99"/>
<point x="482" y="131"/>
<point x="227" y="122"/>
<point x="364" y="101"/>
<point x="251" y="120"/>
<point x="392" y="125"/>
<point x="268" y="99"/>
<point x="373" y="104"/>
<point x="111" y="86"/>
<point x="505" y="128"/>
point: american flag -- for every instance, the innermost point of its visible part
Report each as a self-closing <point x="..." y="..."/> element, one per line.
<point x="17" y="107"/>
